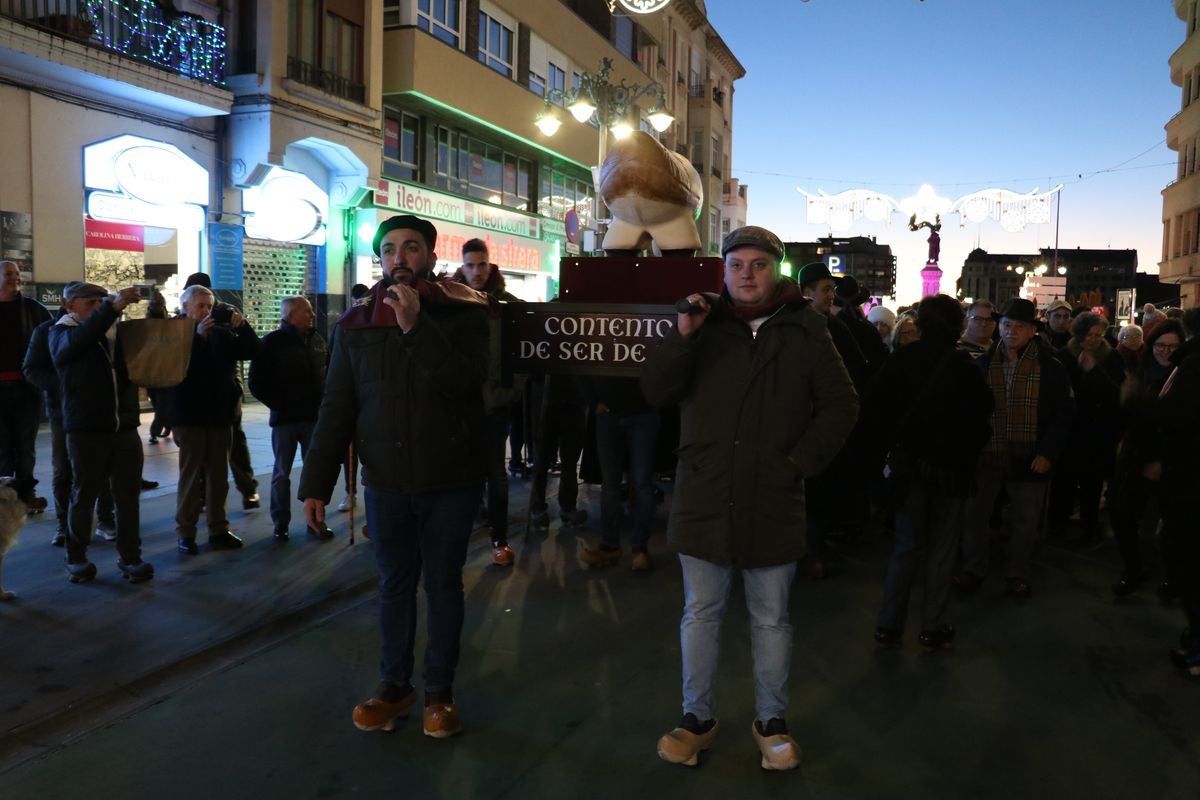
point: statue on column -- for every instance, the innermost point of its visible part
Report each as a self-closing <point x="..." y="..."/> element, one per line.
<point x="935" y="239"/>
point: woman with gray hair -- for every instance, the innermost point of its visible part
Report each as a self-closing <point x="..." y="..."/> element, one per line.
<point x="1096" y="375"/>
<point x="1129" y="346"/>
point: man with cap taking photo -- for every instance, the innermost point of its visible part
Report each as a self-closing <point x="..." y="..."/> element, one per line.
<point x="100" y="416"/>
<point x="405" y="385"/>
<point x="1031" y="422"/>
<point x="765" y="402"/>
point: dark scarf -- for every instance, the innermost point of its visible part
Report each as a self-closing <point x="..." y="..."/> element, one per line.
<point x="786" y="291"/>
<point x="369" y="311"/>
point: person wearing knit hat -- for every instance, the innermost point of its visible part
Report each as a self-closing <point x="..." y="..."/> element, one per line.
<point x="884" y="319"/>
<point x="1058" y="324"/>
<point x="1151" y="316"/>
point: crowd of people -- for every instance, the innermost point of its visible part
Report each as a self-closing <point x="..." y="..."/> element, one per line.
<point x="792" y="421"/>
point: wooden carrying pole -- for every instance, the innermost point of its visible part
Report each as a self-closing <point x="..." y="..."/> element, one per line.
<point x="351" y="487"/>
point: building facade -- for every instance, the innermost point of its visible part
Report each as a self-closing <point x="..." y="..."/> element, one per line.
<point x="872" y="264"/>
<point x="1181" y="199"/>
<point x="260" y="140"/>
<point x="1049" y="273"/>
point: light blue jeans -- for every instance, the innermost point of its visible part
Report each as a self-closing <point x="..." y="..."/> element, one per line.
<point x="705" y="596"/>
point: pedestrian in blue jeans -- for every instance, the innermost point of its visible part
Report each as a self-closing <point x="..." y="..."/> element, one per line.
<point x="405" y="385"/>
<point x="765" y="402"/>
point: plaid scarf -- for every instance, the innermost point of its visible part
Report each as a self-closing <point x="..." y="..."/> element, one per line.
<point x="1015" y="419"/>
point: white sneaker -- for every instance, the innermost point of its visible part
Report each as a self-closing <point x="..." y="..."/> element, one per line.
<point x="345" y="504"/>
<point x="106" y="532"/>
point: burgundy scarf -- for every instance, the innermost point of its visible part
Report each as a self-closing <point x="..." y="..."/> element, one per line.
<point x="369" y="311"/>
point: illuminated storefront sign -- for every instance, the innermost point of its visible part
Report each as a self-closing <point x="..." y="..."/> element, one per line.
<point x="643" y="6"/>
<point x="285" y="206"/>
<point x="132" y="179"/>
<point x="426" y="202"/>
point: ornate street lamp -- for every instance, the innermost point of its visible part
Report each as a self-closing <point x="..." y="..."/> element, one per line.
<point x="612" y="106"/>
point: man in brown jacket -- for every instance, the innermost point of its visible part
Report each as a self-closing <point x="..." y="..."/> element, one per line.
<point x="765" y="402"/>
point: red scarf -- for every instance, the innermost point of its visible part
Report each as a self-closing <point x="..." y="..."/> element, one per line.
<point x="369" y="311"/>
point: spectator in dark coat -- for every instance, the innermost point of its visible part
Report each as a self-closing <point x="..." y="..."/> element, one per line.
<point x="39" y="370"/>
<point x="201" y="412"/>
<point x="1096" y="372"/>
<point x="288" y="376"/>
<point x="1130" y="491"/>
<point x="498" y="399"/>
<point x="20" y="401"/>
<point x="931" y="407"/>
<point x="100" y="415"/>
<point x="1178" y="412"/>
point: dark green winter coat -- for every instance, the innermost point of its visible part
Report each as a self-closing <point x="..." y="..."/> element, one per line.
<point x="758" y="415"/>
<point x="411" y="402"/>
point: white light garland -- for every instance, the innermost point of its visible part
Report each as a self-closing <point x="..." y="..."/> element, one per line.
<point x="1012" y="210"/>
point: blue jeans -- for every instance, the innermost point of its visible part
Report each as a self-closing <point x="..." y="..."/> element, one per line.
<point x="421" y="535"/>
<point x="705" y="595"/>
<point x="626" y="444"/>
<point x="284" y="439"/>
<point x="928" y="528"/>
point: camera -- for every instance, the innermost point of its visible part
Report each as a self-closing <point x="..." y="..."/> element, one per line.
<point x="145" y="290"/>
<point x="222" y="313"/>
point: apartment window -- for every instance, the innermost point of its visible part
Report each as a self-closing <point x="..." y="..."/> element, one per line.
<point x="724" y="228"/>
<point x="714" y="225"/>
<point x="558" y="82"/>
<point x="715" y="162"/>
<point x="625" y="37"/>
<point x="698" y="149"/>
<point x="400" y="136"/>
<point x="537" y="84"/>
<point x="441" y="18"/>
<point x="495" y="45"/>
<point x="694" y="69"/>
<point x="325" y="45"/>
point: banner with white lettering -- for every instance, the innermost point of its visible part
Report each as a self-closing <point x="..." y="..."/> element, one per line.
<point x="582" y="338"/>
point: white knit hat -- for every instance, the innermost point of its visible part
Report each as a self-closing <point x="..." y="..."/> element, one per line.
<point x="881" y="314"/>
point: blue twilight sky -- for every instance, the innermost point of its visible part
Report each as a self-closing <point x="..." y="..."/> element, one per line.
<point x="963" y="95"/>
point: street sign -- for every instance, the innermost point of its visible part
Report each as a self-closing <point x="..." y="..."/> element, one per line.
<point x="571" y="221"/>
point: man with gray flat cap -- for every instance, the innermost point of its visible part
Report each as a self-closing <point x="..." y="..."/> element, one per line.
<point x="100" y="416"/>
<point x="765" y="402"/>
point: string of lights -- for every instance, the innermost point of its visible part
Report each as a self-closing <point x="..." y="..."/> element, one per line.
<point x="184" y="44"/>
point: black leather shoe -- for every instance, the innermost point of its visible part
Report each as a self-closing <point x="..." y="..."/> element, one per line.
<point x="323" y="535"/>
<point x="250" y="501"/>
<point x="281" y="534"/>
<point x="188" y="546"/>
<point x="148" y="485"/>
<point x="224" y="541"/>
<point x="60" y="539"/>
<point x="941" y="637"/>
<point x="888" y="637"/>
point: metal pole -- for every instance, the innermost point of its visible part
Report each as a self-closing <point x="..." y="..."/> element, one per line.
<point x="601" y="154"/>
<point x="1057" y="216"/>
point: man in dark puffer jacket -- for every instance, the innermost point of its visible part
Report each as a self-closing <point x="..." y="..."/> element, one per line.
<point x="100" y="419"/>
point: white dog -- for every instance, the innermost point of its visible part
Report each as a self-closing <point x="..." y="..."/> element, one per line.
<point x="12" y="517"/>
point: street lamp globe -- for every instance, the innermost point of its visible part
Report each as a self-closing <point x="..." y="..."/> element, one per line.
<point x="548" y="124"/>
<point x="581" y="110"/>
<point x="621" y="130"/>
<point x="660" y="120"/>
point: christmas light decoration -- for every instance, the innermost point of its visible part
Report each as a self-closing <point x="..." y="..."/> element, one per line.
<point x="185" y="44"/>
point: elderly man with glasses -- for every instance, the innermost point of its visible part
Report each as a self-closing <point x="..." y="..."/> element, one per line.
<point x="980" y="332"/>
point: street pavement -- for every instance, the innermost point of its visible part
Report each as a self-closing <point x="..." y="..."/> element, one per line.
<point x="233" y="675"/>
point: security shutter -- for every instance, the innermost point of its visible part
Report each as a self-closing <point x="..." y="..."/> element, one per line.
<point x="273" y="271"/>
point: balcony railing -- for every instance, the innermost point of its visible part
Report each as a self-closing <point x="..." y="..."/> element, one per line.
<point x="326" y="81"/>
<point x="142" y="30"/>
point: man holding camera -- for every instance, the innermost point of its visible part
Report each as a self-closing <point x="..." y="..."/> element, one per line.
<point x="100" y="415"/>
<point x="200" y="412"/>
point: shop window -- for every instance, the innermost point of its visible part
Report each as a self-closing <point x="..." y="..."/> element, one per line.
<point x="561" y="192"/>
<point x="495" y="45"/>
<point x="471" y="166"/>
<point x="440" y="18"/>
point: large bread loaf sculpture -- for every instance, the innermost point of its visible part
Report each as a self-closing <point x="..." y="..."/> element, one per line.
<point x="653" y="193"/>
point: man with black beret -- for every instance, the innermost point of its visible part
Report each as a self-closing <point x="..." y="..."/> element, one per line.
<point x="405" y="386"/>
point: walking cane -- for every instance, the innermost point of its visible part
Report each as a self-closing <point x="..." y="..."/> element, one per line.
<point x="351" y="486"/>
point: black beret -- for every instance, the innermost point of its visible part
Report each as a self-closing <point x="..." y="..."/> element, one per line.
<point x="421" y="226"/>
